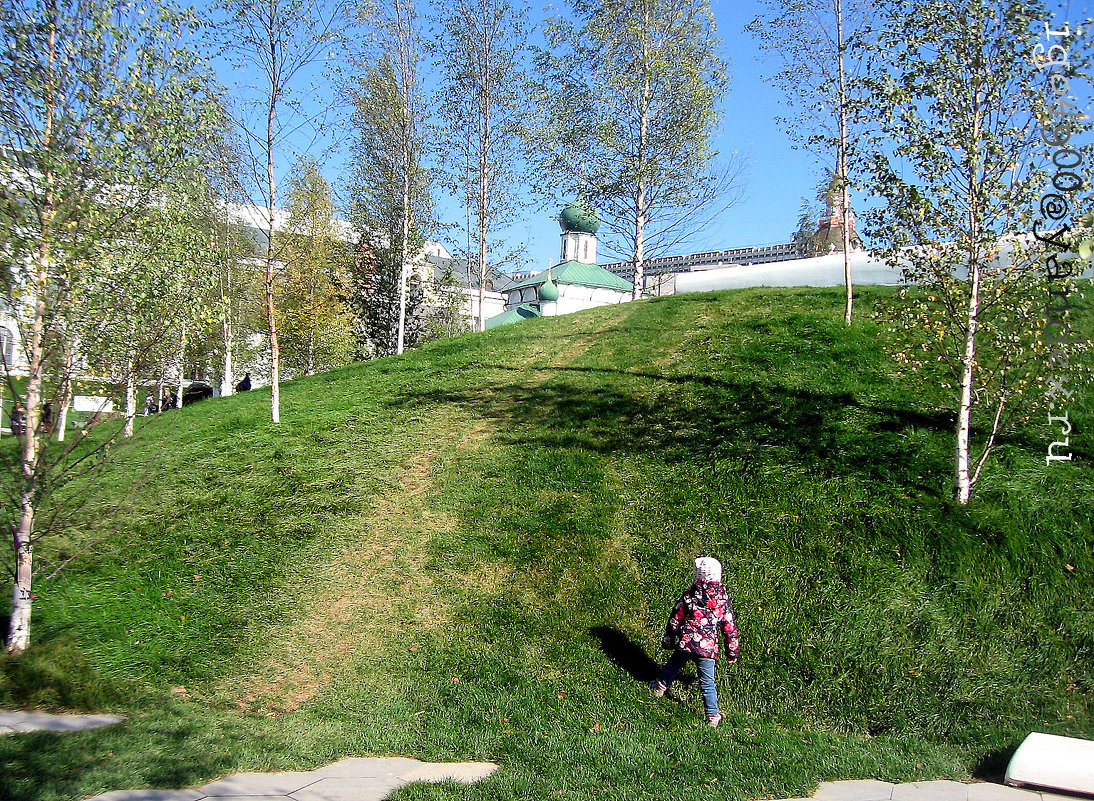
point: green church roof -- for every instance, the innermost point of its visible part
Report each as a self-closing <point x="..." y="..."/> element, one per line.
<point x="515" y="315"/>
<point x="576" y="272"/>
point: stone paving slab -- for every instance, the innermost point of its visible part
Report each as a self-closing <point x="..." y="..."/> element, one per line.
<point x="466" y="772"/>
<point x="855" y="790"/>
<point x="242" y="784"/>
<point x="12" y="722"/>
<point x="931" y="791"/>
<point x="255" y="798"/>
<point x="368" y="766"/>
<point x="150" y="795"/>
<point x="347" y="789"/>
<point x="999" y="792"/>
<point x="870" y="790"/>
<point x="351" y="779"/>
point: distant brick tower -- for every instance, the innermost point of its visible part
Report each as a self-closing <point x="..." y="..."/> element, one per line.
<point x="829" y="237"/>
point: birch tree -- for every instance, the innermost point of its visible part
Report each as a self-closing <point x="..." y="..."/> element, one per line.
<point x="317" y="322"/>
<point x="482" y="102"/>
<point x="282" y="40"/>
<point x="629" y="102"/>
<point x="959" y="162"/>
<point x="237" y="293"/>
<point x="822" y="75"/>
<point x="99" y="103"/>
<point x="391" y="201"/>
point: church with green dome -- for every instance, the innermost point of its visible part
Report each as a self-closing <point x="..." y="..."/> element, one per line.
<point x="576" y="282"/>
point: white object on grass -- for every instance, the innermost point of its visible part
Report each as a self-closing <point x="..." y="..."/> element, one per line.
<point x="1049" y="760"/>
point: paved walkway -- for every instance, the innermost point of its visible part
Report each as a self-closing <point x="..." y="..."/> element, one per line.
<point x="351" y="779"/>
<point x="872" y="790"/>
<point x="372" y="779"/>
<point x="11" y="722"/>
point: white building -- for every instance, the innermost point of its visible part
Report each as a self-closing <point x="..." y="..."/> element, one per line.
<point x="576" y="283"/>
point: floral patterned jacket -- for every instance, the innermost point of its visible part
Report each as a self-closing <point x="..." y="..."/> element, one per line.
<point x="702" y="612"/>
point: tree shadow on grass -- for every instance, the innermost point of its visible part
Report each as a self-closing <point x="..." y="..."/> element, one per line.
<point x="744" y="422"/>
<point x="37" y="765"/>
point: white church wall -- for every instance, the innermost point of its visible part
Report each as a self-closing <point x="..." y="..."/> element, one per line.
<point x="493" y="303"/>
<point x="573" y="297"/>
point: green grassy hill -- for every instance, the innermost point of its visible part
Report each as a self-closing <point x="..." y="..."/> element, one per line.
<point x="469" y="552"/>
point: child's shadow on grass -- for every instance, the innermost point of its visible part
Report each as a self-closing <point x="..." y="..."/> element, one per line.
<point x="629" y="656"/>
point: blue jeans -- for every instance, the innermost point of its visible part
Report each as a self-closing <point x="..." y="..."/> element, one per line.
<point x="705" y="666"/>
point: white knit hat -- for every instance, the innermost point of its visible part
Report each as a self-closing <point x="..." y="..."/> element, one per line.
<point x="707" y="568"/>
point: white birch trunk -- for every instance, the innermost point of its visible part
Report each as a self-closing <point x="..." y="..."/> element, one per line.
<point x="181" y="368"/>
<point x="963" y="481"/>
<point x="485" y="148"/>
<point x="271" y="321"/>
<point x="130" y="399"/>
<point x="962" y="486"/>
<point x="22" y="599"/>
<point x="640" y="211"/>
<point x="227" y="383"/>
<point x="403" y="255"/>
<point x="66" y="391"/>
<point x="639" y="246"/>
<point x="478" y="323"/>
<point x="408" y="81"/>
<point x="845" y="194"/>
<point x="483" y="211"/>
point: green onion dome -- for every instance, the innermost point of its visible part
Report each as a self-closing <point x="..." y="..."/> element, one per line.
<point x="579" y="217"/>
<point x="548" y="291"/>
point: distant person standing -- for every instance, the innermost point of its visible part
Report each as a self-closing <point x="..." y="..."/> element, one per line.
<point x="702" y="613"/>
<point x="18" y="420"/>
<point x="245" y="384"/>
<point x="47" y="417"/>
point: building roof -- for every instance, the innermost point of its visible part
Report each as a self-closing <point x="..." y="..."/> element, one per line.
<point x="496" y="280"/>
<point x="576" y="272"/>
<point x="514" y="315"/>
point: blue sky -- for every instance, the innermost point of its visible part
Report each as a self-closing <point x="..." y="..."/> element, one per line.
<point x="778" y="175"/>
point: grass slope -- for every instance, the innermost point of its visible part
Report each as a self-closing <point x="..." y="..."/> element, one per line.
<point x="469" y="552"/>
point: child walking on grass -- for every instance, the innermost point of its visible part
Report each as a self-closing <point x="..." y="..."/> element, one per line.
<point x="702" y="612"/>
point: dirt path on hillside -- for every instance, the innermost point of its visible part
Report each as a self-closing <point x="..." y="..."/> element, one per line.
<point x="366" y="590"/>
<point x="579" y="346"/>
<point x="374" y="585"/>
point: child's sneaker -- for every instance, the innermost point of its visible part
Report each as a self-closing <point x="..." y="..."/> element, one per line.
<point x="658" y="689"/>
<point x="714" y="720"/>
